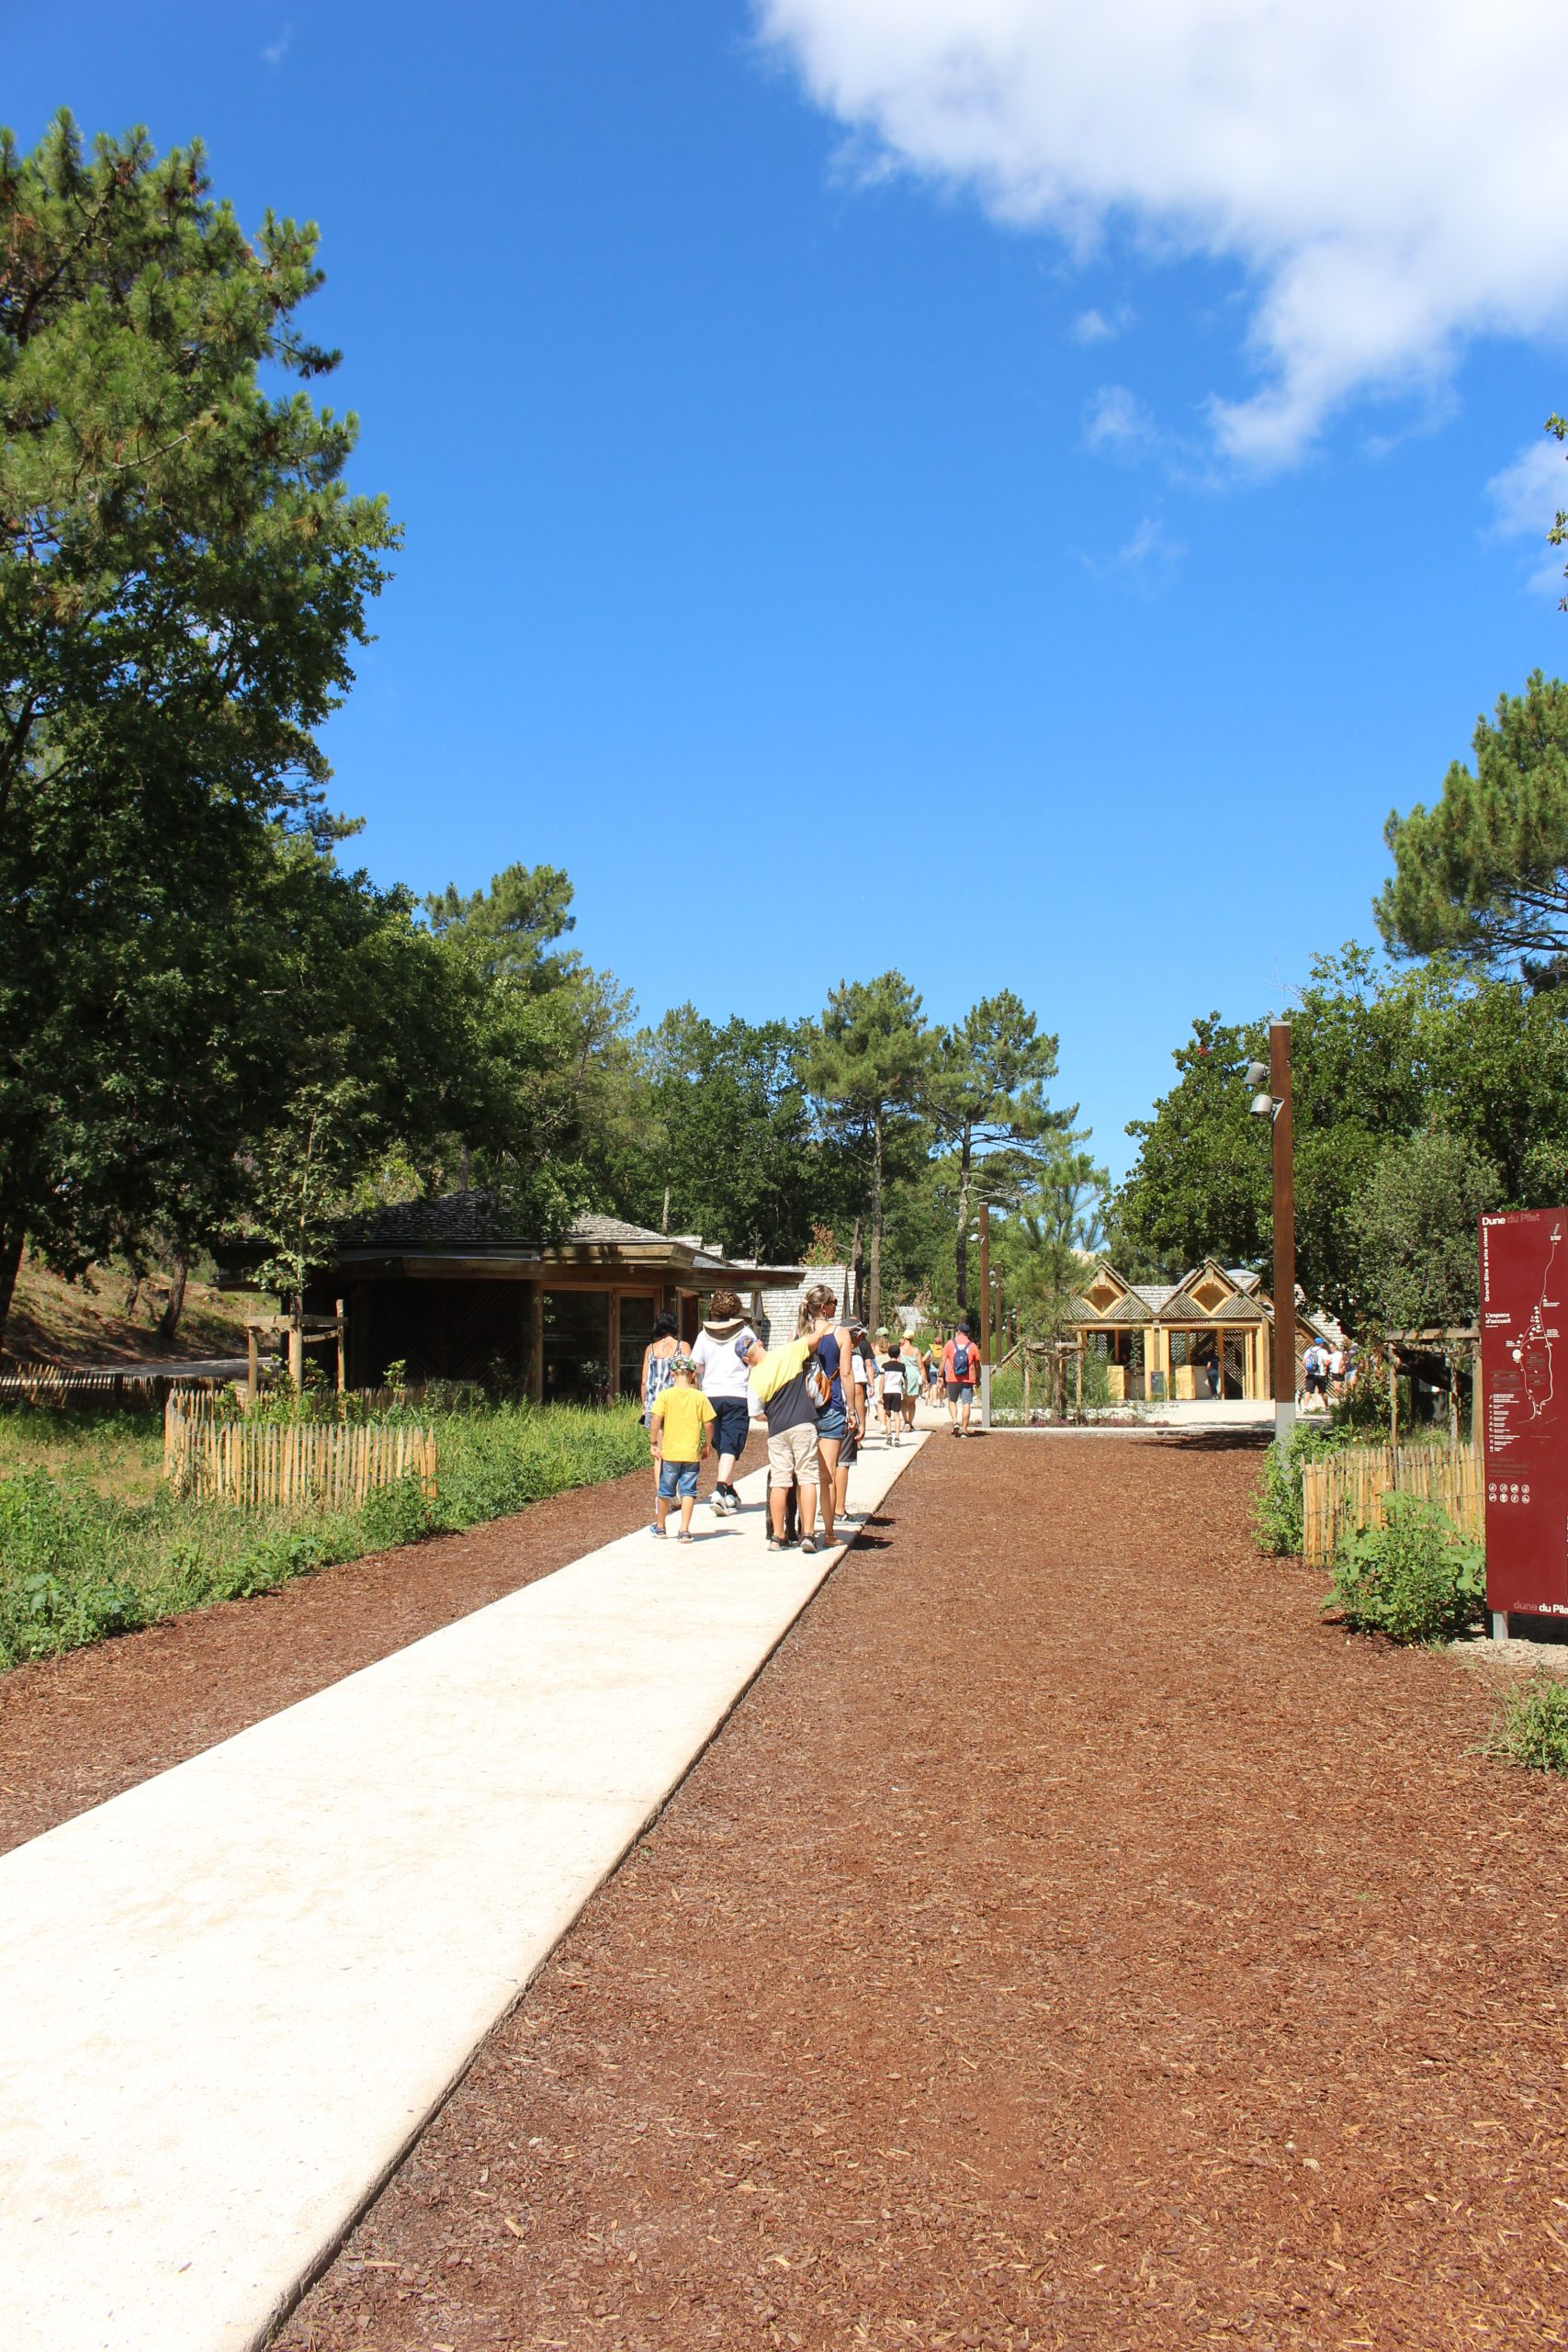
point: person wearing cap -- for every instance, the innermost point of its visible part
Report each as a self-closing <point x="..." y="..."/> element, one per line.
<point x="779" y="1383"/>
<point x="678" y="1433"/>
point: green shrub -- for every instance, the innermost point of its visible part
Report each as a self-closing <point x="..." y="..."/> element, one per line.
<point x="1532" y="1728"/>
<point x="1415" y="1578"/>
<point x="1277" y="1513"/>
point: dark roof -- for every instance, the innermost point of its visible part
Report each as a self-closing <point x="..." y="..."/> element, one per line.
<point x="483" y="1223"/>
<point x="476" y="1217"/>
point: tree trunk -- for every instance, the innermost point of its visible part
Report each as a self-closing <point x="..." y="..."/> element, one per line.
<point x="173" y="1308"/>
<point x="664" y="1227"/>
<point x="874" y="1317"/>
<point x="465" y="1168"/>
<point x="12" y="1234"/>
<point x="965" y="1157"/>
<point x="856" y="1302"/>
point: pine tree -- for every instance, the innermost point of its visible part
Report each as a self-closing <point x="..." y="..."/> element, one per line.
<point x="1483" y="875"/>
<point x="867" y="1066"/>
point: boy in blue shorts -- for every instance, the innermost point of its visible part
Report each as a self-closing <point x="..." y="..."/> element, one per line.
<point x="678" y="1433"/>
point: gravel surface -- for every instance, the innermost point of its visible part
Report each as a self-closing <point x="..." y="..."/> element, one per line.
<point x="77" y="1729"/>
<point x="1069" y="1941"/>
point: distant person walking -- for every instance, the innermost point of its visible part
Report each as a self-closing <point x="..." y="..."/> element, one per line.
<point x="960" y="1370"/>
<point x="725" y="1385"/>
<point x="656" y="1360"/>
<point x="893" y="1393"/>
<point x="913" y="1381"/>
<point x="779" y="1383"/>
<point x="678" y="1437"/>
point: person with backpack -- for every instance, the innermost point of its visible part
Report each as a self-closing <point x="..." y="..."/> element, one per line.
<point x="789" y="1383"/>
<point x="960" y="1373"/>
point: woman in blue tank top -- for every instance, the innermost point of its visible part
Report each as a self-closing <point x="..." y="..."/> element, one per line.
<point x="818" y="1308"/>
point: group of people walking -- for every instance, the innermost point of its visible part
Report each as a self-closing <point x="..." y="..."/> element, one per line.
<point x="818" y="1394"/>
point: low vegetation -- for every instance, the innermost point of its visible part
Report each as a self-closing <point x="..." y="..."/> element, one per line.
<point x="1532" y="1728"/>
<point x="1415" y="1578"/>
<point x="92" y="1545"/>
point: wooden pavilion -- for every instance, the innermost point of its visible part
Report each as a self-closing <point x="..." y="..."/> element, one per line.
<point x="450" y="1290"/>
<point x="1159" y="1339"/>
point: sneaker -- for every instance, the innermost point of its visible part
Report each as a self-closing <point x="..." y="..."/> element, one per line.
<point x="654" y="1529"/>
<point x="808" y="1543"/>
<point x="773" y="1544"/>
<point x="721" y="1502"/>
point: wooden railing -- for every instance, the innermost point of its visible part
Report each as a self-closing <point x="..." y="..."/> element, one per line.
<point x="1342" y="1493"/>
<point x="283" y="1466"/>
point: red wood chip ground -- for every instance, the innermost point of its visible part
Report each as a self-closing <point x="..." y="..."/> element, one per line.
<point x="1069" y="1941"/>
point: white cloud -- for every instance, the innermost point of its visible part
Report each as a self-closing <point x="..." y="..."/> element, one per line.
<point x="1116" y="419"/>
<point x="1387" y="178"/>
<point x="275" y="51"/>
<point x="1146" y="562"/>
<point x="1099" y="326"/>
<point x="1527" y="498"/>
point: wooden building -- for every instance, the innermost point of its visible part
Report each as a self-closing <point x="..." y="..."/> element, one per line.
<point x="447" y="1288"/>
<point x="1160" y="1339"/>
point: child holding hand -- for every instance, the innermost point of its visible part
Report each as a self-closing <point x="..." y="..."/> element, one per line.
<point x="678" y="1430"/>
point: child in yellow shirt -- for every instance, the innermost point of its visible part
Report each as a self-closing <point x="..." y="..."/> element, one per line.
<point x="678" y="1433"/>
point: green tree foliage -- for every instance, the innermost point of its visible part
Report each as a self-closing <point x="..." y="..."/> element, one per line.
<point x="549" y="1070"/>
<point x="986" y="1092"/>
<point x="868" y="1064"/>
<point x="730" y="1145"/>
<point x="182" y="575"/>
<point x="1041" y="1249"/>
<point x="1412" y="1220"/>
<point x="1376" y="1057"/>
<point x="1483" y="875"/>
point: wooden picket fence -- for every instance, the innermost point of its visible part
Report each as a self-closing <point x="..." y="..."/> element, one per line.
<point x="1343" y="1493"/>
<point x="282" y="1465"/>
<point x="61" y="1386"/>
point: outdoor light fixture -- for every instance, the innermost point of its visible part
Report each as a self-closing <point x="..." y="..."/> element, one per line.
<point x="1272" y="1102"/>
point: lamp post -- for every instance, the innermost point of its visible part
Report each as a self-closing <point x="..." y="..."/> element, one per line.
<point x="1275" y="1106"/>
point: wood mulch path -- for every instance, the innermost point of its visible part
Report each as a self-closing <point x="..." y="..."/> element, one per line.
<point x="78" y="1729"/>
<point x="1070" y="1943"/>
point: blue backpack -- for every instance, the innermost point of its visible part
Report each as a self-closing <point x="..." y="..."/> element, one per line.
<point x="961" y="1359"/>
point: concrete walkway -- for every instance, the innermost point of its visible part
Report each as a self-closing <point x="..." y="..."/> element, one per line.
<point x="230" y="1998"/>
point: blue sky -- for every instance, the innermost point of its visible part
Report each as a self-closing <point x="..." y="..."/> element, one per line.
<point x="786" y="560"/>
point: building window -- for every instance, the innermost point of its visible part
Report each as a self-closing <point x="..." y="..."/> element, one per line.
<point x="577" y="1345"/>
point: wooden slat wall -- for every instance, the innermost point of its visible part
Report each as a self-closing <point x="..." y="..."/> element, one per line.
<point x="273" y="1465"/>
<point x="1343" y="1493"/>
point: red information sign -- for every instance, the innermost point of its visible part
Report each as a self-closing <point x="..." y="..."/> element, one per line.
<point x="1523" y="1377"/>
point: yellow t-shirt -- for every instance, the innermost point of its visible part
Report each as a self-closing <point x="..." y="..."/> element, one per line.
<point x="682" y="1414"/>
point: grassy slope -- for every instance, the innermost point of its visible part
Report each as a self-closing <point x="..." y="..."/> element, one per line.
<point x="80" y="1323"/>
<point x="92" y="1545"/>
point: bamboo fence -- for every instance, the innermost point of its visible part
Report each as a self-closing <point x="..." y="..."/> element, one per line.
<point x="282" y="1465"/>
<point x="1343" y="1493"/>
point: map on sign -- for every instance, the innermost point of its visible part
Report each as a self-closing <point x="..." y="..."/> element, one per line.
<point x="1532" y="1350"/>
<point x="1524" y="1272"/>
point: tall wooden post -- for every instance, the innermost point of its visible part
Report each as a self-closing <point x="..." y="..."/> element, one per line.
<point x="1284" y="1232"/>
<point x="985" y="1281"/>
<point x="342" y="1350"/>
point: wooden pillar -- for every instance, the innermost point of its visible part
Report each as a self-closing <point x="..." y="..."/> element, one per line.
<point x="253" y="1365"/>
<point x="296" y="1355"/>
<point x="342" y="1350"/>
<point x="985" y="1281"/>
<point x="613" y="1379"/>
<point x="534" y="1339"/>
